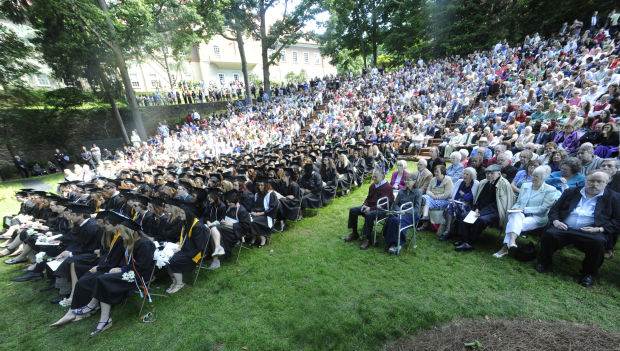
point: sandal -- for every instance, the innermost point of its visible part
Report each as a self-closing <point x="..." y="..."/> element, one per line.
<point x="106" y="325"/>
<point x="14" y="261"/>
<point x="84" y="310"/>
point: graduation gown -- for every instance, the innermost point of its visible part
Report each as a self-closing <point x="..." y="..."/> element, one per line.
<point x="213" y="212"/>
<point x="345" y="176"/>
<point x="115" y="204"/>
<point x="194" y="238"/>
<point x="230" y="236"/>
<point x="147" y="222"/>
<point x="170" y="230"/>
<point x="112" y="257"/>
<point x="261" y="225"/>
<point x="330" y="178"/>
<point x="82" y="243"/>
<point x="359" y="170"/>
<point x="289" y="207"/>
<point x="112" y="289"/>
<point x="315" y="185"/>
<point x="247" y="198"/>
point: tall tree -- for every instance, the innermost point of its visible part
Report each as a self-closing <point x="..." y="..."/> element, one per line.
<point x="284" y="31"/>
<point x="233" y="20"/>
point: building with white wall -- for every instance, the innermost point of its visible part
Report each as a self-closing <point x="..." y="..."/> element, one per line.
<point x="218" y="62"/>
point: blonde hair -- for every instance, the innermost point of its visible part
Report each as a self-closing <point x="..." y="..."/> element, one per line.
<point x="130" y="237"/>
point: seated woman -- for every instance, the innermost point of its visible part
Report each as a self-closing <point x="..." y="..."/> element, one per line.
<point x="531" y="209"/>
<point x="344" y="168"/>
<point x="264" y="211"/>
<point x="193" y="239"/>
<point x="549" y="148"/>
<point x="311" y="186"/>
<point x="112" y="288"/>
<point x="524" y="175"/>
<point x="111" y="256"/>
<point x="398" y="177"/>
<point x="567" y="139"/>
<point x="437" y="193"/>
<point x="462" y="200"/>
<point x="455" y="169"/>
<point x="329" y="176"/>
<point x="291" y="197"/>
<point x="569" y="175"/>
<point x="556" y="158"/>
<point x="232" y="228"/>
<point x="407" y="194"/>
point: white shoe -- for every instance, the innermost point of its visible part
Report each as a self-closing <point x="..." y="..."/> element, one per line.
<point x="214" y="265"/>
<point x="501" y="253"/>
<point x="219" y="250"/>
<point x="175" y="288"/>
<point x="395" y="249"/>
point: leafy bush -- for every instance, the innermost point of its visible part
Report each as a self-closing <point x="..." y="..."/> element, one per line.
<point x="67" y="97"/>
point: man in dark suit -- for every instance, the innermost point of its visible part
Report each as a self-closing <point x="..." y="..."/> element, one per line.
<point x="587" y="217"/>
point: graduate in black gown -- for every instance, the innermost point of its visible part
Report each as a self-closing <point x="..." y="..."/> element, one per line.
<point x="113" y="198"/>
<point x="329" y="176"/>
<point x="192" y="240"/>
<point x="290" y="201"/>
<point x="112" y="288"/>
<point x="264" y="211"/>
<point x="359" y="167"/>
<point x="111" y="256"/>
<point x="311" y="186"/>
<point x="80" y="243"/>
<point x="344" y="168"/>
<point x="235" y="224"/>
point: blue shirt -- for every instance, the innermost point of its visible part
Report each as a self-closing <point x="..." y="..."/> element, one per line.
<point x="583" y="214"/>
<point x="380" y="183"/>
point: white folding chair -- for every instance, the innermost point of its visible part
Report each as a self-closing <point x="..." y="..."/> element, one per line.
<point x="383" y="206"/>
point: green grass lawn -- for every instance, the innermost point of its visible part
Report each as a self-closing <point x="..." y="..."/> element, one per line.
<point x="309" y="290"/>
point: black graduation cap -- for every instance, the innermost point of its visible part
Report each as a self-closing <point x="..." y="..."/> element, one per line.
<point x="328" y="155"/>
<point x="111" y="183"/>
<point x="185" y="185"/>
<point x="157" y="201"/>
<point x="28" y="190"/>
<point x="172" y="185"/>
<point x="131" y="225"/>
<point x="22" y="193"/>
<point x="79" y="208"/>
<point x="231" y="196"/>
<point x="39" y="193"/>
<point x="113" y="217"/>
<point x="200" y="193"/>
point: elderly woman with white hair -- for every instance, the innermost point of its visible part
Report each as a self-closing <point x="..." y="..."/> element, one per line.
<point x="461" y="200"/>
<point x="398" y="177"/>
<point x="455" y="170"/>
<point x="530" y="210"/>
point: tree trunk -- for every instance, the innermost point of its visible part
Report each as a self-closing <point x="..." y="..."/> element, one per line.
<point x="164" y="50"/>
<point x="264" y="49"/>
<point x="108" y="92"/>
<point x="122" y="67"/>
<point x="244" y="64"/>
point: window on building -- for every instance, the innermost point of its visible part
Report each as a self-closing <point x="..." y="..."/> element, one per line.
<point x="187" y="76"/>
<point x="283" y="59"/>
<point x="294" y="56"/>
<point x="216" y="51"/>
<point x="306" y="57"/>
<point x="43" y="81"/>
<point x="221" y="77"/>
<point x="317" y="58"/>
<point x="236" y="77"/>
<point x="134" y="80"/>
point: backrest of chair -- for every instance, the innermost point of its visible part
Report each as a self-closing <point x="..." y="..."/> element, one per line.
<point x="383" y="203"/>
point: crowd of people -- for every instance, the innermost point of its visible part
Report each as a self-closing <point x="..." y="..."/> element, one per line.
<point x="526" y="152"/>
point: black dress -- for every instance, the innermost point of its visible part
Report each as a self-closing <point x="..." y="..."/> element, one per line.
<point x="112" y="289"/>
<point x="81" y="242"/>
<point x="345" y="176"/>
<point x="170" y="230"/>
<point x="195" y="238"/>
<point x="289" y="207"/>
<point x="330" y="178"/>
<point x="313" y="183"/>
<point x="261" y="225"/>
<point x="359" y="170"/>
<point x="113" y="257"/>
<point x="230" y="236"/>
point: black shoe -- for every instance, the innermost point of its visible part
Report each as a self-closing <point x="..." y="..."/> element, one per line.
<point x="48" y="287"/>
<point x="587" y="280"/>
<point x="464" y="247"/>
<point x="540" y="268"/>
<point x="458" y="243"/>
<point x="352" y="237"/>
<point x="28" y="276"/>
<point x="57" y="299"/>
<point x="444" y="237"/>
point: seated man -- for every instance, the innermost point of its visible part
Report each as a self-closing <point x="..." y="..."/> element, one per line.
<point x="587" y="217"/>
<point x="378" y="189"/>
